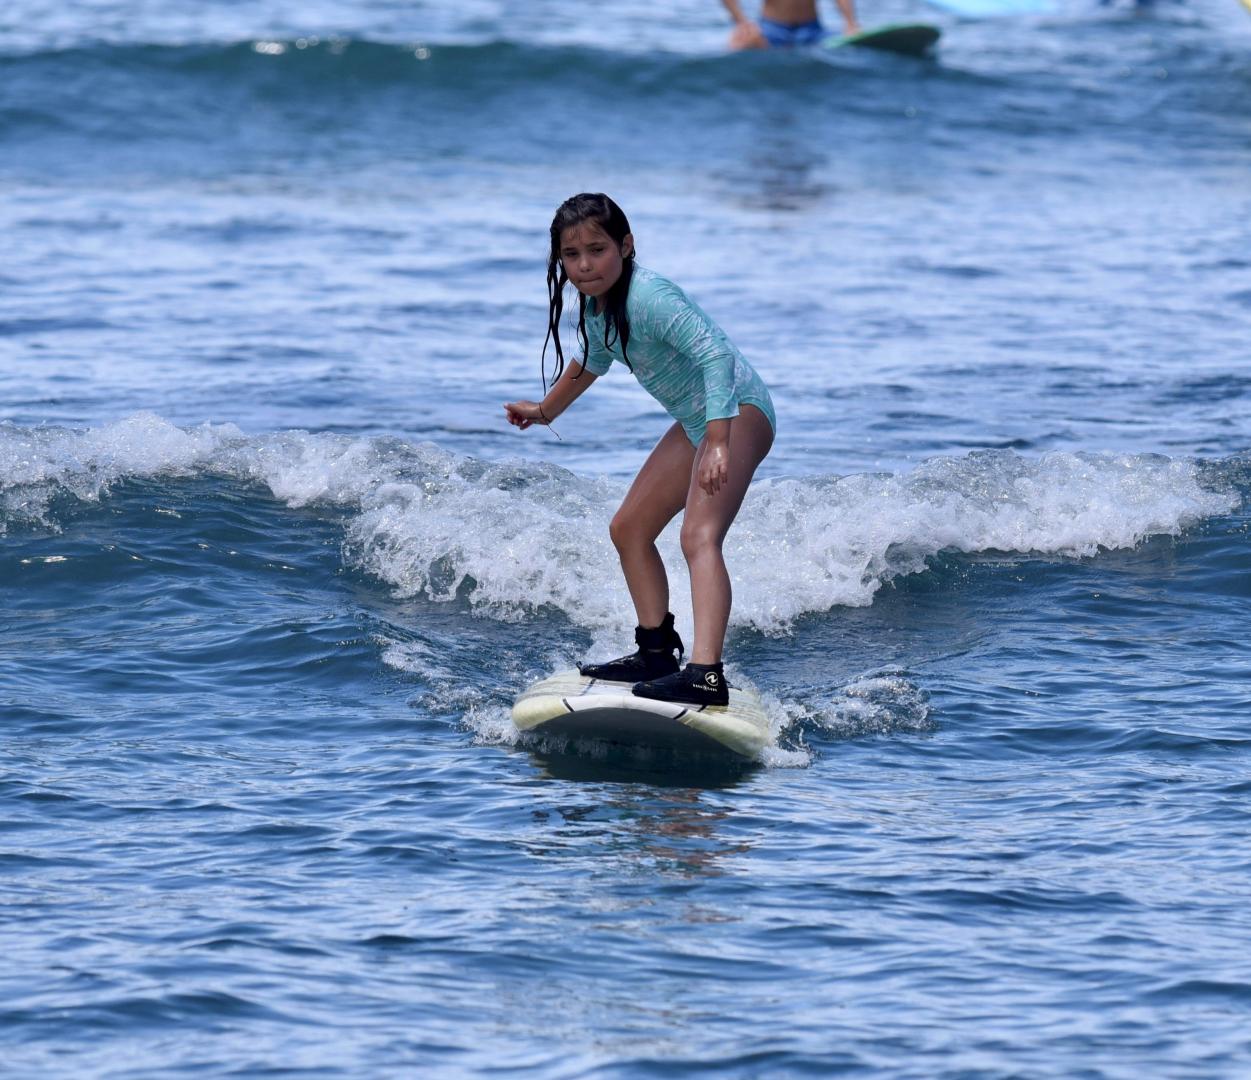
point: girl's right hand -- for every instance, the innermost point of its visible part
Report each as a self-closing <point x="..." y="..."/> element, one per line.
<point x="524" y="413"/>
<point x="748" y="35"/>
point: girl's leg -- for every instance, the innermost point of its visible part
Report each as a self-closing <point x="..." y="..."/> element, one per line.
<point x="654" y="499"/>
<point x="708" y="519"/>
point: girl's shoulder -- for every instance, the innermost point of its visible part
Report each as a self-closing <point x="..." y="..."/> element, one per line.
<point x="652" y="293"/>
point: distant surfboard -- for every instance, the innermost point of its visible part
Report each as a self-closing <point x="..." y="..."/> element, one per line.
<point x="910" y="39"/>
<point x="569" y="705"/>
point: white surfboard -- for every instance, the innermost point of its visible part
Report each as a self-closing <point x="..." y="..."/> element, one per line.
<point x="570" y="705"/>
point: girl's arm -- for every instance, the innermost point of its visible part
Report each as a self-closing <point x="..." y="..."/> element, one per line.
<point x="567" y="389"/>
<point x="686" y="329"/>
<point x="847" y="8"/>
<point x="746" y="34"/>
<point x="714" y="464"/>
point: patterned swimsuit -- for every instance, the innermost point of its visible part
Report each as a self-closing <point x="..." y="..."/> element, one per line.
<point x="681" y="357"/>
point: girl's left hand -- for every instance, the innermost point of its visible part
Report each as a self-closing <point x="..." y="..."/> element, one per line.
<point x="714" y="468"/>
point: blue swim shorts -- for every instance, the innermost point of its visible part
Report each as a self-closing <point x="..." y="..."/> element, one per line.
<point x="787" y="35"/>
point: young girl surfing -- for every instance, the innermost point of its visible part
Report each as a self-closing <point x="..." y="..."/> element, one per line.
<point x="724" y="425"/>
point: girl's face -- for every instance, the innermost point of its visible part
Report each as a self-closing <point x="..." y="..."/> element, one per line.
<point x="591" y="257"/>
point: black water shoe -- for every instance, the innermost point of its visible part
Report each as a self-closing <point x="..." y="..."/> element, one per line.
<point x="695" y="684"/>
<point x="659" y="654"/>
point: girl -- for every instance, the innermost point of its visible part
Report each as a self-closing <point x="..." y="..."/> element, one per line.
<point x="703" y="463"/>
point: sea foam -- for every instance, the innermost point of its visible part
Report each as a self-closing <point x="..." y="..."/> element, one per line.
<point x="509" y="538"/>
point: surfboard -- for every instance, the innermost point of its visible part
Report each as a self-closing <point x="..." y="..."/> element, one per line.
<point x="569" y="705"/>
<point x="910" y="39"/>
<point x="990" y="9"/>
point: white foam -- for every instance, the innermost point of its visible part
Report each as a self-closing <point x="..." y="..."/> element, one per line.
<point x="511" y="537"/>
<point x="814" y="543"/>
<point x="879" y="703"/>
<point x="39" y="464"/>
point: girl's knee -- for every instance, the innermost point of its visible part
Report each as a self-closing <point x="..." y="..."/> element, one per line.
<point x="625" y="534"/>
<point x="699" y="540"/>
<point x="618" y="531"/>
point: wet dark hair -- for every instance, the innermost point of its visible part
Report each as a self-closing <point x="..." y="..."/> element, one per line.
<point x="600" y="210"/>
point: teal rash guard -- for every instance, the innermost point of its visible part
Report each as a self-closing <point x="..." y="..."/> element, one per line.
<point x="682" y="358"/>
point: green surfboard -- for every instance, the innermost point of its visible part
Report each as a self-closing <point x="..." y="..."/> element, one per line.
<point x="910" y="39"/>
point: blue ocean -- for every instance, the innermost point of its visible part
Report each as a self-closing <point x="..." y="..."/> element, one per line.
<point x="273" y="566"/>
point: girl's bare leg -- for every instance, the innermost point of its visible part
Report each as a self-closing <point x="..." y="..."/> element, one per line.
<point x="708" y="519"/>
<point x="654" y="499"/>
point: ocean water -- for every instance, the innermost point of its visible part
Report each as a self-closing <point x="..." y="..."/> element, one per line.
<point x="272" y="566"/>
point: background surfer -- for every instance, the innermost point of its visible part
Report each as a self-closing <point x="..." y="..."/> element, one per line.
<point x="784" y="23"/>
<point x="703" y="463"/>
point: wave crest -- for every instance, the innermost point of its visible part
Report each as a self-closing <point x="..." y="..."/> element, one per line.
<point x="508" y="538"/>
